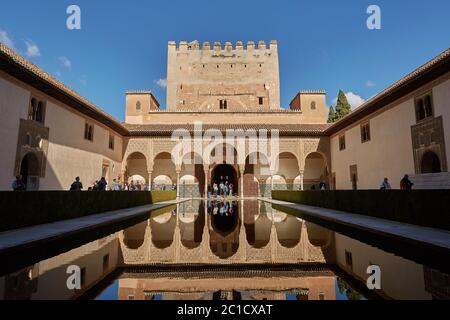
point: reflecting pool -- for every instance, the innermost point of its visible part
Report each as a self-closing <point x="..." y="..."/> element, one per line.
<point x="228" y="250"/>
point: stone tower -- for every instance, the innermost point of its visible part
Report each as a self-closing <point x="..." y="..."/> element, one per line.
<point x="210" y="78"/>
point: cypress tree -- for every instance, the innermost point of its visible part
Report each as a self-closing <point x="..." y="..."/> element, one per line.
<point x="342" y="107"/>
<point x="331" y="115"/>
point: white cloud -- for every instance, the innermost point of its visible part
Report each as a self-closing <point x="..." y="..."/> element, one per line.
<point x="32" y="49"/>
<point x="65" y="62"/>
<point x="370" y="83"/>
<point x="6" y="40"/>
<point x="353" y="99"/>
<point x="161" y="83"/>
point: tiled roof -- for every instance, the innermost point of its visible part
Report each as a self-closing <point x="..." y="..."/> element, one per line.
<point x="429" y="71"/>
<point x="284" y="129"/>
<point x="26" y="70"/>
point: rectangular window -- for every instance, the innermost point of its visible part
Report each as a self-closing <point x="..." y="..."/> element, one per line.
<point x="365" y="132"/>
<point x="223" y="104"/>
<point x="261" y="101"/>
<point x="348" y="259"/>
<point x="111" y="141"/>
<point x="89" y="131"/>
<point x="321" y="296"/>
<point x="342" y="142"/>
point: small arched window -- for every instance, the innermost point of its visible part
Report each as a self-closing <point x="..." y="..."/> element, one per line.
<point x="32" y="109"/>
<point x="424" y="107"/>
<point x="28" y="139"/>
<point x="138" y="106"/>
<point x="313" y="105"/>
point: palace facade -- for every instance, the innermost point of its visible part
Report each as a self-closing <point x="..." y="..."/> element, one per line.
<point x="51" y="134"/>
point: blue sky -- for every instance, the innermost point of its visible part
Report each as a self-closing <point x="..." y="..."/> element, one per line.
<point x="322" y="44"/>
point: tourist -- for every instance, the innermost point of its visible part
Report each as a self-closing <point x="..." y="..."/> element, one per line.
<point x="18" y="184"/>
<point x="215" y="189"/>
<point x="322" y="185"/>
<point x="76" y="185"/>
<point x="115" y="186"/>
<point x="226" y="188"/>
<point x="132" y="186"/>
<point x="221" y="187"/>
<point x="405" y="183"/>
<point x="101" y="186"/>
<point x="231" y="189"/>
<point x="138" y="186"/>
<point x="95" y="186"/>
<point x="385" y="185"/>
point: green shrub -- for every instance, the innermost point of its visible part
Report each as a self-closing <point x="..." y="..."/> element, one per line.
<point x="22" y="209"/>
<point x="421" y="207"/>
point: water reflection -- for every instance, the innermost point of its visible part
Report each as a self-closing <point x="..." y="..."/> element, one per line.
<point x="213" y="284"/>
<point x="246" y="250"/>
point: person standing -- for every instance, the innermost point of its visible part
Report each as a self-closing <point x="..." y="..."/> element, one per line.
<point x="76" y="185"/>
<point x="405" y="183"/>
<point x="322" y="185"/>
<point x="102" y="184"/>
<point x="18" y="184"/>
<point x="385" y="185"/>
<point x="221" y="187"/>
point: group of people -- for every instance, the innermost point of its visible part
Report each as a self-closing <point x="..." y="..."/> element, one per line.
<point x="101" y="185"/>
<point x="223" y="189"/>
<point x="405" y="184"/>
<point x="322" y="186"/>
<point x="225" y="208"/>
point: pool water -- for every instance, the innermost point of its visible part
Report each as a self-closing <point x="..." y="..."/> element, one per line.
<point x="222" y="250"/>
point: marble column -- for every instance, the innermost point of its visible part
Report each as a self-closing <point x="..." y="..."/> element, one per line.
<point x="178" y="184"/>
<point x="149" y="182"/>
<point x="206" y="183"/>
<point x="301" y="179"/>
<point x="241" y="170"/>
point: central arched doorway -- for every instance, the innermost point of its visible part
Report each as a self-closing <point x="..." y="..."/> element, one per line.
<point x="430" y="163"/>
<point x="223" y="173"/>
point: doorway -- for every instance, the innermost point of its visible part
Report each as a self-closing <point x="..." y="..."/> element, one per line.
<point x="29" y="170"/>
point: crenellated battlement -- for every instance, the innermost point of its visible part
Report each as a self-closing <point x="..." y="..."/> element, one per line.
<point x="223" y="76"/>
<point x="218" y="46"/>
